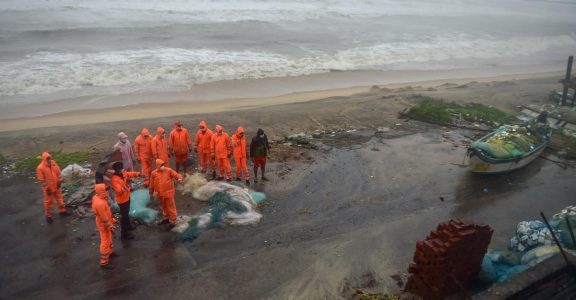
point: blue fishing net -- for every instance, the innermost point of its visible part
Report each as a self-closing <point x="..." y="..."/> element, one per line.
<point x="218" y="206"/>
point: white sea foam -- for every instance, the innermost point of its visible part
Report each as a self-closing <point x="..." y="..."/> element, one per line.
<point x="46" y="72"/>
<point x="123" y="46"/>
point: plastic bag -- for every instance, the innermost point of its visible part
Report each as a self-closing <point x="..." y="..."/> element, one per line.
<point x="76" y="170"/>
<point x="539" y="254"/>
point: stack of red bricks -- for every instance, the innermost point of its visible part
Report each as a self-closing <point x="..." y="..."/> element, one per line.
<point x="449" y="260"/>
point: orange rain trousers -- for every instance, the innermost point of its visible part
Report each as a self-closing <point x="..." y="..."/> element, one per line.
<point x="105" y="243"/>
<point x="49" y="202"/>
<point x="168" y="206"/>
<point x="224" y="167"/>
<point x="204" y="159"/>
<point x="146" y="168"/>
<point x="241" y="166"/>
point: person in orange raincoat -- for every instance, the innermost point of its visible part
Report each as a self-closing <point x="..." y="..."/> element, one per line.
<point x="122" y="196"/>
<point x="48" y="174"/>
<point x="180" y="145"/>
<point x="160" y="145"/>
<point x="104" y="223"/>
<point x="239" y="151"/>
<point x="143" y="149"/>
<point x="162" y="182"/>
<point x="202" y="147"/>
<point x="221" y="151"/>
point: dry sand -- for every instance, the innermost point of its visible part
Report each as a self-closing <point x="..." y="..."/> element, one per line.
<point x="335" y="219"/>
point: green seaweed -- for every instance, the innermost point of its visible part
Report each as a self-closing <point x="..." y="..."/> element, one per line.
<point x="439" y="112"/>
<point x="63" y="159"/>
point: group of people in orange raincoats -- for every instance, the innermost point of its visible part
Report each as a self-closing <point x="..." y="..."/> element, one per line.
<point x="214" y="148"/>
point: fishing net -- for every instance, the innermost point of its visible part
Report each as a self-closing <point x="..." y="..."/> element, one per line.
<point x="532" y="234"/>
<point x="192" y="183"/>
<point x="227" y="204"/>
<point x="510" y="142"/>
<point x="139" y="210"/>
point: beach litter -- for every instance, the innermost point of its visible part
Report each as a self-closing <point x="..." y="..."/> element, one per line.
<point x="75" y="170"/>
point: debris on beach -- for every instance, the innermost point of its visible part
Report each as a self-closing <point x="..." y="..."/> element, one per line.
<point x="75" y="170"/>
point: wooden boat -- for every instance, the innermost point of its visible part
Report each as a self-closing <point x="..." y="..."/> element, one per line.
<point x="482" y="160"/>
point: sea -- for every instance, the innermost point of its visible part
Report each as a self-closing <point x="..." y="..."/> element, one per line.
<point x="56" y="49"/>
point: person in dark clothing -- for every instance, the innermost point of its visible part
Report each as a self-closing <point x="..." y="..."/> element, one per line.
<point x="259" y="149"/>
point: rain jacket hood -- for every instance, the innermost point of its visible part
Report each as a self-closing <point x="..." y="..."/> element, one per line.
<point x="219" y="129"/>
<point x="203" y="125"/>
<point x="160" y="131"/>
<point x="239" y="130"/>
<point x="100" y="189"/>
<point x="145" y="132"/>
<point x="159" y="163"/>
<point x="45" y="156"/>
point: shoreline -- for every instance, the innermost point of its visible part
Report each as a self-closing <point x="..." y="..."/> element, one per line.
<point x="174" y="104"/>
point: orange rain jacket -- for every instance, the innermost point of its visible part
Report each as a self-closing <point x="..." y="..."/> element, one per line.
<point x="101" y="207"/>
<point x="239" y="144"/>
<point x="120" y="187"/>
<point x="162" y="182"/>
<point x="48" y="174"/>
<point x="143" y="146"/>
<point x="180" y="141"/>
<point x="159" y="146"/>
<point x="203" y="139"/>
<point x="220" y="144"/>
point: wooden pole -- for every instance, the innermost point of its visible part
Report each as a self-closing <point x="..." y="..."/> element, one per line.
<point x="567" y="80"/>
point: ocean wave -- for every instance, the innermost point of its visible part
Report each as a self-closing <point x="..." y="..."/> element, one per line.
<point x="47" y="72"/>
<point x="138" y="13"/>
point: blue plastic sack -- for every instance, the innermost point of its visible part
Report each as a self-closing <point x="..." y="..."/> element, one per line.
<point x="139" y="210"/>
<point x="258" y="197"/>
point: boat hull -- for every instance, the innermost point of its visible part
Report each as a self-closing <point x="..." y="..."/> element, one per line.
<point x="480" y="164"/>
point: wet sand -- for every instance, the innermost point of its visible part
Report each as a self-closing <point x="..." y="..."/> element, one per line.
<point x="334" y="215"/>
<point x="235" y="95"/>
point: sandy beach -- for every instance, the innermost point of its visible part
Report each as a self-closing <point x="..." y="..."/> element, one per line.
<point x="335" y="216"/>
<point x="235" y="95"/>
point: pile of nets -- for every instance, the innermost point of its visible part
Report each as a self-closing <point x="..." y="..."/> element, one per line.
<point x="227" y="204"/>
<point x="509" y="142"/>
<point x="532" y="244"/>
<point x="139" y="210"/>
<point x="530" y="234"/>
